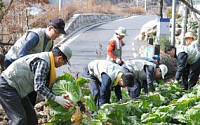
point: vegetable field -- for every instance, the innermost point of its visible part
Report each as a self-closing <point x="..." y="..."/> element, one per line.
<point x="168" y="105"/>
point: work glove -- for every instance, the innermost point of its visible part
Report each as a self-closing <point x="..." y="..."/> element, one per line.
<point x="176" y="81"/>
<point x="64" y="102"/>
<point x="118" y="61"/>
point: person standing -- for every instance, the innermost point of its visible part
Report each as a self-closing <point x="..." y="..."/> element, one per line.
<point x="106" y="75"/>
<point x="114" y="49"/>
<point x="190" y="40"/>
<point x="144" y="73"/>
<point x="35" y="41"/>
<point x="34" y="72"/>
<point x="189" y="59"/>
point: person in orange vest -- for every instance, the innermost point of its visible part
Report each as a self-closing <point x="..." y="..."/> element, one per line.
<point x="34" y="72"/>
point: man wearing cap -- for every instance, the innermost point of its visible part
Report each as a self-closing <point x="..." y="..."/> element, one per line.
<point x="144" y="71"/>
<point x="105" y="75"/>
<point x="190" y="40"/>
<point x="188" y="64"/>
<point x="114" y="50"/>
<point x="34" y="72"/>
<point x="35" y="41"/>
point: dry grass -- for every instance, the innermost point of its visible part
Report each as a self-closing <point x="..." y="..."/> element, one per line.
<point x="14" y="23"/>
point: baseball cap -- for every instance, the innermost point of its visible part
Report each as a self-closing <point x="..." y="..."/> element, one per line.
<point x="58" y="24"/>
<point x="163" y="69"/>
<point x="121" y="31"/>
<point x="66" y="51"/>
<point x="156" y="57"/>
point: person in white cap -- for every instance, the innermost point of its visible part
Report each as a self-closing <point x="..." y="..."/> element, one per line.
<point x="190" y="40"/>
<point x="34" y="72"/>
<point x="114" y="49"/>
<point x="144" y="73"/>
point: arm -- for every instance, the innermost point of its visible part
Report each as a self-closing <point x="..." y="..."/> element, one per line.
<point x="30" y="42"/>
<point x="182" y="57"/>
<point x="41" y="71"/>
<point x="196" y="47"/>
<point x="150" y="76"/>
<point x="111" y="47"/>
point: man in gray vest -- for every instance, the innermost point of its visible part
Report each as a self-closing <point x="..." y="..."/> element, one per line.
<point x="35" y="41"/>
<point x="114" y="50"/>
<point x="106" y="75"/>
<point x="188" y="64"/>
<point x="34" y="72"/>
<point x="144" y="71"/>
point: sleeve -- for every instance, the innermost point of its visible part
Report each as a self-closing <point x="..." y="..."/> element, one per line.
<point x="182" y="57"/>
<point x="150" y="76"/>
<point x="41" y="71"/>
<point x="30" y="42"/>
<point x="196" y="47"/>
<point x="111" y="47"/>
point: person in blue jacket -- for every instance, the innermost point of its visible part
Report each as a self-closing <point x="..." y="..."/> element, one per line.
<point x="35" y="41"/>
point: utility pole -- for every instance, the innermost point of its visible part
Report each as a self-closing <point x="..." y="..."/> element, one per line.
<point x="173" y="22"/>
<point x="60" y="5"/>
<point x="145" y="5"/>
<point x="184" y="21"/>
<point x="161" y="8"/>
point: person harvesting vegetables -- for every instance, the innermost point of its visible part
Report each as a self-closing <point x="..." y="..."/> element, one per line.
<point x="35" y="72"/>
<point x="188" y="64"/>
<point x="144" y="71"/>
<point x="35" y="41"/>
<point x="106" y="75"/>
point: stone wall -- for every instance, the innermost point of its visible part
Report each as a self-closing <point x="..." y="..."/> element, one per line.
<point x="80" y="21"/>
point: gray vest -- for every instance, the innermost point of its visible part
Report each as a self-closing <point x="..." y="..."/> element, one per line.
<point x="193" y="55"/>
<point x="19" y="75"/>
<point x="97" y="67"/>
<point x="117" y="52"/>
<point x="14" y="50"/>
<point x="136" y="66"/>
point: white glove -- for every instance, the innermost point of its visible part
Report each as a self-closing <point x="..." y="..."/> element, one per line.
<point x="64" y="102"/>
<point x="118" y="61"/>
<point x="175" y="81"/>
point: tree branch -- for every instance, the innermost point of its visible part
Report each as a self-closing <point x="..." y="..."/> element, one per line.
<point x="190" y="7"/>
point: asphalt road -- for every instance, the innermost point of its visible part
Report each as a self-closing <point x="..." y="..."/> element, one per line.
<point x="92" y="44"/>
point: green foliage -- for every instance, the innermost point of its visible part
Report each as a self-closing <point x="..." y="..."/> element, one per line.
<point x="170" y="104"/>
<point x="163" y="41"/>
<point x="193" y="26"/>
<point x="1" y="5"/>
<point x="168" y="13"/>
<point x="66" y="84"/>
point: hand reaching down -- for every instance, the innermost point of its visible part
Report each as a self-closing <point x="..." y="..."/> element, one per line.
<point x="64" y="102"/>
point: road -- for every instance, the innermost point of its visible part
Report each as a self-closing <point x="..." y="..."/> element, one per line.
<point x="86" y="46"/>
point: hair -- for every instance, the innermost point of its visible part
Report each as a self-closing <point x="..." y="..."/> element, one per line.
<point x="128" y="79"/>
<point x="169" y="48"/>
<point x="57" y="52"/>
